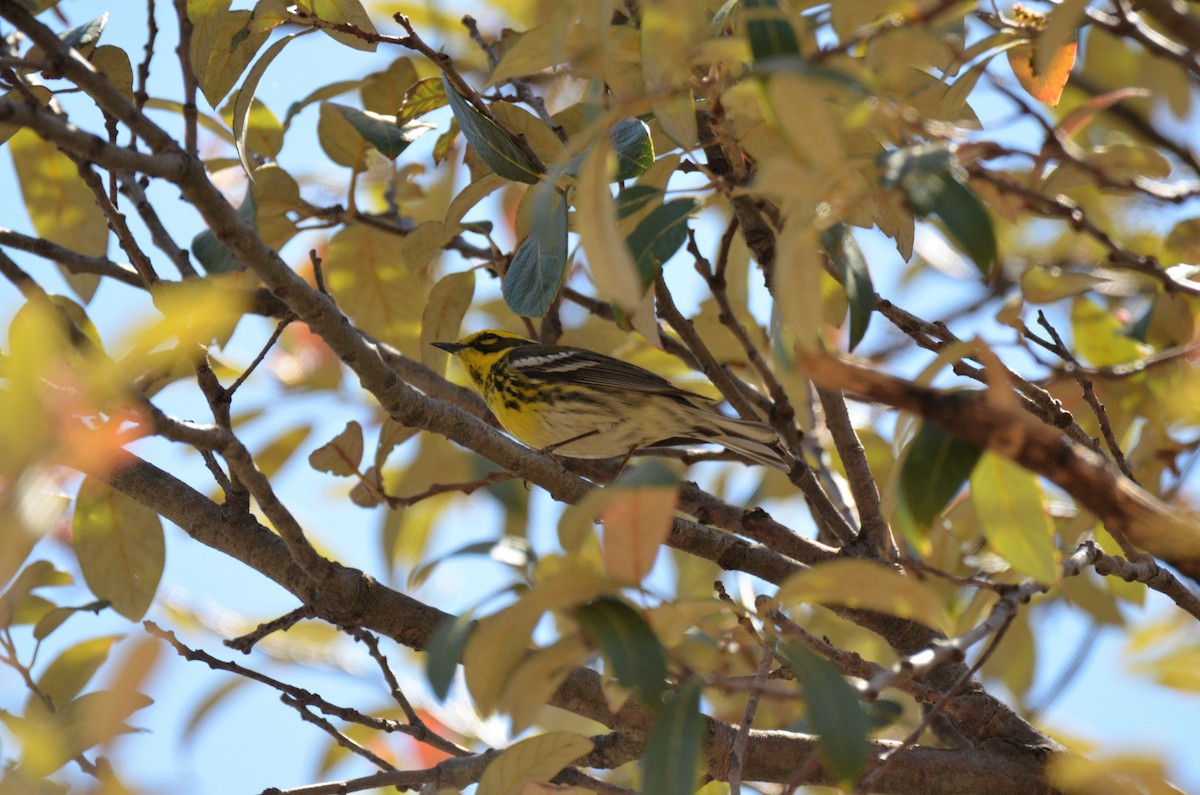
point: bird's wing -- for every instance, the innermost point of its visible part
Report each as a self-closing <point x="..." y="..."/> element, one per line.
<point x="556" y="364"/>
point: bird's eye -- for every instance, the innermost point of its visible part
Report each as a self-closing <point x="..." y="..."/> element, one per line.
<point x="487" y="341"/>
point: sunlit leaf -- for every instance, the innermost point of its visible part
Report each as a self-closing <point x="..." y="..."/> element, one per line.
<point x="223" y="44"/>
<point x="448" y="303"/>
<point x="612" y="267"/>
<point x="537" y="759"/>
<point x="1045" y="84"/>
<point x="381" y="131"/>
<point x="866" y="585"/>
<point x="119" y="543"/>
<point x="69" y="673"/>
<point x="1012" y="509"/>
<point x="60" y="205"/>
<point x="346" y="12"/>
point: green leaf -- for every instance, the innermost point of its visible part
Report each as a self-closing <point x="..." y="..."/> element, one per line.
<point x="381" y="132"/>
<point x="634" y="198"/>
<point x="212" y="253"/>
<point x="633" y="147"/>
<point x="492" y="143"/>
<point x="538" y="267"/>
<point x="673" y="744"/>
<point x="852" y="270"/>
<point x="1013" y="513"/>
<point x="119" y="543"/>
<point x="659" y="236"/>
<point x="67" y="675"/>
<point x="930" y="177"/>
<point x="444" y="652"/>
<point x="769" y="30"/>
<point x="967" y="221"/>
<point x="935" y="468"/>
<point x="632" y="652"/>
<point x="84" y="35"/>
<point x="834" y="713"/>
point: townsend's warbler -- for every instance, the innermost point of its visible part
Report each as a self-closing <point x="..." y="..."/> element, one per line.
<point x="586" y="405"/>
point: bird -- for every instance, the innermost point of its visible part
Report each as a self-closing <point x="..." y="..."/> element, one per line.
<point x="582" y="404"/>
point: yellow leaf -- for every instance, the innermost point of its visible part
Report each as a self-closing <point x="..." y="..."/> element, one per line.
<point x="1012" y="510"/>
<point x="383" y="92"/>
<point x="339" y="140"/>
<point x="667" y="30"/>
<point x="113" y="63"/>
<point x="448" y="302"/>
<point x="119" y="544"/>
<point x="368" y="276"/>
<point x="636" y="523"/>
<point x="798" y="270"/>
<point x="60" y="205"/>
<point x="498" y="643"/>
<point x="865" y="585"/>
<point x="536" y="678"/>
<point x="537" y="759"/>
<point x="545" y="144"/>
<point x="223" y="44"/>
<point x="69" y="673"/>
<point x="349" y="12"/>
<point x="342" y="454"/>
<point x="595" y="219"/>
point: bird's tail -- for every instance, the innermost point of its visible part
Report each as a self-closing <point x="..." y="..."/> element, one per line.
<point x="754" y="440"/>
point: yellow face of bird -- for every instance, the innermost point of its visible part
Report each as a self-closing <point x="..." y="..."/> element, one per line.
<point x="478" y="352"/>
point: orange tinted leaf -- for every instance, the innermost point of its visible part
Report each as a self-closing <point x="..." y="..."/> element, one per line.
<point x="1046" y="86"/>
<point x="342" y="454"/>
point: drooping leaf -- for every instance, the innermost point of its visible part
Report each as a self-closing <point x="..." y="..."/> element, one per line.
<point x="935" y="468"/>
<point x="539" y="264"/>
<point x="492" y="143"/>
<point x="444" y="652"/>
<point x="673" y="745"/>
<point x="422" y="97"/>
<point x="851" y="266"/>
<point x="243" y="105"/>
<point x="120" y="547"/>
<point x="612" y="267"/>
<point x="632" y="652"/>
<point x="833" y="712"/>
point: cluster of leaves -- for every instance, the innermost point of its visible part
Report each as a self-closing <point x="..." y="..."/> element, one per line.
<point x="610" y="142"/>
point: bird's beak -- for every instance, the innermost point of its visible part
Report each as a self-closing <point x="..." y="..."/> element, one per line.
<point x="449" y="347"/>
